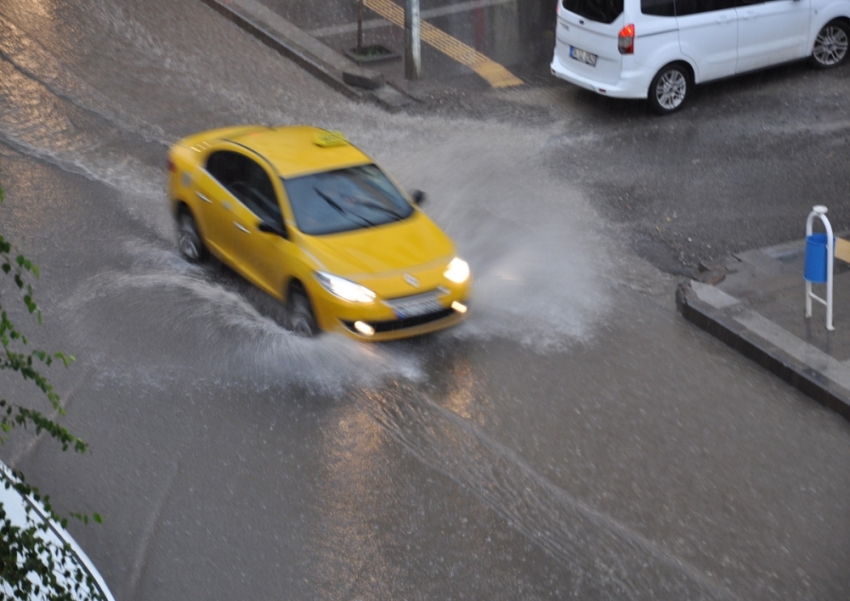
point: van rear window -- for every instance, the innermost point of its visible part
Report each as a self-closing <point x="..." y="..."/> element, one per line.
<point x="659" y="8"/>
<point x="603" y="11"/>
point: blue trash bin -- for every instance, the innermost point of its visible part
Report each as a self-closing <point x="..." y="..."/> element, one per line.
<point x="815" y="267"/>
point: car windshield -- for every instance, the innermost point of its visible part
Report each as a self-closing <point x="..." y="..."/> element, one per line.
<point x="344" y="200"/>
<point x="602" y="11"/>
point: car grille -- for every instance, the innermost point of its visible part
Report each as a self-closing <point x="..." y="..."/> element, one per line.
<point x="392" y="325"/>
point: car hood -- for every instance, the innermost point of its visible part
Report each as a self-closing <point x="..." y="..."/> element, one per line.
<point x="363" y="254"/>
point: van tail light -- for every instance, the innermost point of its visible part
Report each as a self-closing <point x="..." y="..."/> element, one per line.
<point x="170" y="164"/>
<point x="626" y="40"/>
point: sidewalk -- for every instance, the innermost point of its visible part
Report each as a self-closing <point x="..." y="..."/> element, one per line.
<point x="306" y="51"/>
<point x="755" y="302"/>
<point x="317" y="40"/>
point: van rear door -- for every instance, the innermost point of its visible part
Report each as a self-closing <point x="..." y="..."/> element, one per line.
<point x="587" y="38"/>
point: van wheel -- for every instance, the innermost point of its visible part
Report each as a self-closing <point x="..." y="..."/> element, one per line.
<point x="669" y="89"/>
<point x="830" y="49"/>
<point x="302" y="322"/>
<point x="188" y="237"/>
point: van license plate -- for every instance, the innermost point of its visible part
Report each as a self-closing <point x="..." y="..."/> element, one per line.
<point x="583" y="56"/>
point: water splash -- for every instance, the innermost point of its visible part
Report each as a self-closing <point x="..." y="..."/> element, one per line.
<point x="205" y="328"/>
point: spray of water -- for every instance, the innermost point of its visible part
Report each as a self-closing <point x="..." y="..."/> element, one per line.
<point x="207" y="328"/>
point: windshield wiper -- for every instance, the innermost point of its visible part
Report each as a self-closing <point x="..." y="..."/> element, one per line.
<point x="376" y="205"/>
<point x="339" y="209"/>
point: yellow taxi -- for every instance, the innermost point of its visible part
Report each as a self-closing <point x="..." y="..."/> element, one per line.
<point x="310" y="219"/>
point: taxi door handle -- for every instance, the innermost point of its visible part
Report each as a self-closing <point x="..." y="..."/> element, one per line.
<point x="241" y="227"/>
<point x="204" y="198"/>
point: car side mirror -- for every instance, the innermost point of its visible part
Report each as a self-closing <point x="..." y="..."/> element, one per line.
<point x="418" y="196"/>
<point x="273" y="228"/>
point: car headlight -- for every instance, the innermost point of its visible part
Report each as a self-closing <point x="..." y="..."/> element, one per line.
<point x="345" y="289"/>
<point x="457" y="271"/>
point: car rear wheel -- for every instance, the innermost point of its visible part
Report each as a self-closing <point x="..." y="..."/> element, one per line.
<point x="301" y="319"/>
<point x="831" y="44"/>
<point x="669" y="89"/>
<point x="188" y="238"/>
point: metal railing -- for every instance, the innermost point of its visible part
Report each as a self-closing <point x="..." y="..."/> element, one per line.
<point x="814" y="267"/>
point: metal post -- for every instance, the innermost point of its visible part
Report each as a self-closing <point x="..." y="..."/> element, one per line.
<point x="360" y="28"/>
<point x="820" y="211"/>
<point x="412" y="56"/>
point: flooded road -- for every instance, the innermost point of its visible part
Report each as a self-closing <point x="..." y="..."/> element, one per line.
<point x="573" y="439"/>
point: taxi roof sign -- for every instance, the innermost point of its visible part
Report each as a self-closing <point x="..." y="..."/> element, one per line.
<point x="330" y="138"/>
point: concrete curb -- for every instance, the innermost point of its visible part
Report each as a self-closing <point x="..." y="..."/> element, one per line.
<point x="309" y="53"/>
<point x="798" y="374"/>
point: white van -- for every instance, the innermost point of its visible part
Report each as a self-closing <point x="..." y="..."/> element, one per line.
<point x="658" y="49"/>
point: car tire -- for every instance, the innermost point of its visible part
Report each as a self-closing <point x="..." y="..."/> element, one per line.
<point x="189" y="239"/>
<point x="302" y="321"/>
<point x="670" y="88"/>
<point x="831" y="45"/>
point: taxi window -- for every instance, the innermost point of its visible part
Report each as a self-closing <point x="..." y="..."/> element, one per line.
<point x="224" y="166"/>
<point x="256" y="193"/>
<point x="345" y="200"/>
<point x="248" y="182"/>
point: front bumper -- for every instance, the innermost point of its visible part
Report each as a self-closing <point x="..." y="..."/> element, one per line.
<point x="394" y="329"/>
<point x="336" y="315"/>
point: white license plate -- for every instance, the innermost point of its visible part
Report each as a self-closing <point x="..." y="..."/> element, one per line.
<point x="414" y="309"/>
<point x="583" y="56"/>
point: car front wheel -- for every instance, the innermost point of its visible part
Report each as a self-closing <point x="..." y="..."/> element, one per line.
<point x="301" y="319"/>
<point x="669" y="89"/>
<point x="830" y="49"/>
<point x="188" y="238"/>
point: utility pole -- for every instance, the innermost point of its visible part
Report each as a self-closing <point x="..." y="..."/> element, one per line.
<point x="412" y="56"/>
<point x="360" y="28"/>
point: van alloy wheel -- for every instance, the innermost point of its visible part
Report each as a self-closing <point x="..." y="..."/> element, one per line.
<point x="669" y="89"/>
<point x="831" y="44"/>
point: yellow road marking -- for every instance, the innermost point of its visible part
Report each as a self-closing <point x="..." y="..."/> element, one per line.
<point x="493" y="72"/>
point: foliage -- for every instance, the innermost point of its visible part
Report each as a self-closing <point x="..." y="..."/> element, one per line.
<point x="30" y="567"/>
